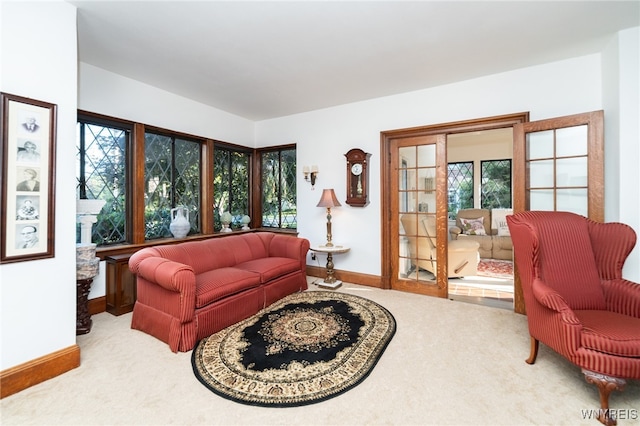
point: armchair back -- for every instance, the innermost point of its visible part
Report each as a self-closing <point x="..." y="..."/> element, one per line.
<point x="561" y="256"/>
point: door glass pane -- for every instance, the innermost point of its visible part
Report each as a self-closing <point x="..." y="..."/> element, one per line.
<point x="571" y="141"/>
<point x="573" y="200"/>
<point x="541" y="199"/>
<point x="407" y="156"/>
<point x="541" y="174"/>
<point x="571" y="171"/>
<point x="540" y="145"/>
<point x="426" y="156"/>
<point x="417" y="247"/>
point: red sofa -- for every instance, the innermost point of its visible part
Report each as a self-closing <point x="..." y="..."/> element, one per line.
<point x="190" y="290"/>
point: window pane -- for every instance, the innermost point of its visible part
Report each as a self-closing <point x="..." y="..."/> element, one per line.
<point x="172" y="178"/>
<point x="230" y="185"/>
<point x="571" y="141"/>
<point x="101" y="173"/>
<point x="541" y="199"/>
<point x="496" y="184"/>
<point x="571" y="171"/>
<point x="239" y="186"/>
<point x="540" y="145"/>
<point x="187" y="180"/>
<point x="460" y="181"/>
<point x="279" y="208"/>
<point x="157" y="177"/>
<point x="573" y="200"/>
<point x="541" y="174"/>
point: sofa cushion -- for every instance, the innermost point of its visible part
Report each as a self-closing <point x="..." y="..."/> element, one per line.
<point x="610" y="332"/>
<point x="473" y="226"/>
<point x="219" y="283"/>
<point x="270" y="268"/>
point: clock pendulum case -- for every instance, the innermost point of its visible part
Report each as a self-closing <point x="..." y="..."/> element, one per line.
<point x="357" y="177"/>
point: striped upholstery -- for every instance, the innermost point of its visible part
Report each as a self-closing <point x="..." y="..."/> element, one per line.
<point x="576" y="299"/>
<point x="190" y="290"/>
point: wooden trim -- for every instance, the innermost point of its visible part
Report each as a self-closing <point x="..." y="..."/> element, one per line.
<point x="486" y="123"/>
<point x="255" y="177"/>
<point x="97" y="305"/>
<point x="206" y="188"/>
<point x="136" y="186"/>
<point x="23" y="376"/>
<point x="346" y="276"/>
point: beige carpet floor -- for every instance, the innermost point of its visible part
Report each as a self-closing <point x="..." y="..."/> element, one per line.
<point x="450" y="363"/>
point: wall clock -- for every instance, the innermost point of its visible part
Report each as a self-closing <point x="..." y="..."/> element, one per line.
<point x="357" y="177"/>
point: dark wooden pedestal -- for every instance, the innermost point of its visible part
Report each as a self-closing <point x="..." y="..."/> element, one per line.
<point x="83" y="318"/>
<point x="121" y="285"/>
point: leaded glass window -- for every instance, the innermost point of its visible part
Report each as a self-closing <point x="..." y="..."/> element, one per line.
<point x="231" y="189"/>
<point x="172" y="178"/>
<point x="496" y="184"/>
<point x="279" y="208"/>
<point x="101" y="175"/>
<point x="460" y="180"/>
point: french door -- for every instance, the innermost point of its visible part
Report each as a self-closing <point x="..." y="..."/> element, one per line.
<point x="559" y="165"/>
<point x="419" y="168"/>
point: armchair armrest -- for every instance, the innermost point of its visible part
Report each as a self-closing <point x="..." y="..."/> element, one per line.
<point x="455" y="231"/>
<point x="622" y="296"/>
<point x="551" y="299"/>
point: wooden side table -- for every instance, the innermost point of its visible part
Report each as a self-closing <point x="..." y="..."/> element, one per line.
<point x="330" y="281"/>
<point x="121" y="285"/>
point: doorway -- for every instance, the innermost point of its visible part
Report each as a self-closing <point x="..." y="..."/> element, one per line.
<point x="480" y="179"/>
<point x="557" y="165"/>
<point x="417" y="240"/>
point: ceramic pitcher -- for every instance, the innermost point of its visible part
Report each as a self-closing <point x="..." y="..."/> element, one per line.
<point x="180" y="225"/>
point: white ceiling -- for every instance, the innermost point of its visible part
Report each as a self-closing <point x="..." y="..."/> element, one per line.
<point x="266" y="59"/>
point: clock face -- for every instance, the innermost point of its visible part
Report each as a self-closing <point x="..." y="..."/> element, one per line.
<point x="356" y="169"/>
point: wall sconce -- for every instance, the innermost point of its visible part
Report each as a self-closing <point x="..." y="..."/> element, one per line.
<point x="310" y="174"/>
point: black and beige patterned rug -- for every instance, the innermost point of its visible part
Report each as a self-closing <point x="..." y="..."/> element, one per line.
<point x="303" y="349"/>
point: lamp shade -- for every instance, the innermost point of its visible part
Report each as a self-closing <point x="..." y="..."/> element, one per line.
<point x="328" y="199"/>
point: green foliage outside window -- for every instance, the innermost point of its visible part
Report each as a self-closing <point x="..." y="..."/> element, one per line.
<point x="279" y="191"/>
<point x="230" y="185"/>
<point x="100" y="173"/>
<point x="172" y="178"/>
<point x="496" y="184"/>
<point x="460" y="180"/>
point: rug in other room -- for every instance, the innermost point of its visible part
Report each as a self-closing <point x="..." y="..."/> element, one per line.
<point x="303" y="349"/>
<point x="495" y="268"/>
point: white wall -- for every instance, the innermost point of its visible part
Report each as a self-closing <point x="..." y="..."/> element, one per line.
<point x="38" y="298"/>
<point x="114" y="95"/>
<point x="621" y="94"/>
<point x="555" y="89"/>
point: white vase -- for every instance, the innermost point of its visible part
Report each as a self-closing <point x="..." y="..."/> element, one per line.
<point x="180" y="225"/>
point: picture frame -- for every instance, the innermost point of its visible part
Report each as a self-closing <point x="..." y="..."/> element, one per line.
<point x="27" y="171"/>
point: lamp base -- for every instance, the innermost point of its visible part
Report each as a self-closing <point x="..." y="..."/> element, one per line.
<point x="332" y="285"/>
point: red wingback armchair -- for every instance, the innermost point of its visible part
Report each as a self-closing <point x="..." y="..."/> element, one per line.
<point x="577" y="302"/>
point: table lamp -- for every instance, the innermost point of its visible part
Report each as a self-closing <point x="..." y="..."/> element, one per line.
<point x="328" y="200"/>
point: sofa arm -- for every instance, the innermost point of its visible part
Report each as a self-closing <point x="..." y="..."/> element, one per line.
<point x="291" y="247"/>
<point x="455" y="231"/>
<point x="551" y="299"/>
<point x="176" y="279"/>
<point x="171" y="275"/>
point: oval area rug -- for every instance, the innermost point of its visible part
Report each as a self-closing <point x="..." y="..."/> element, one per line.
<point x="303" y="349"/>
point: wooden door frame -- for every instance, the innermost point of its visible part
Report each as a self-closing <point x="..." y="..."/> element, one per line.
<point x="386" y="170"/>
